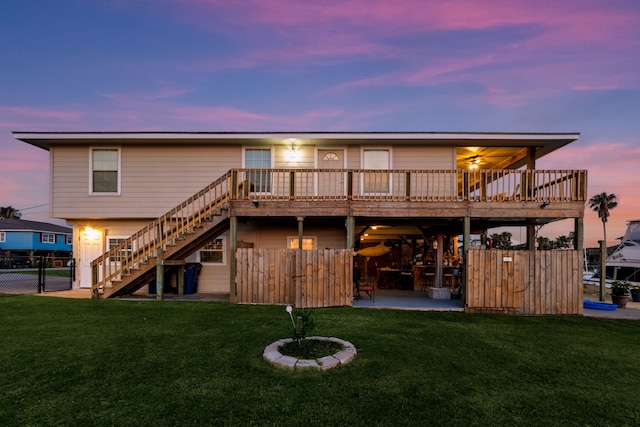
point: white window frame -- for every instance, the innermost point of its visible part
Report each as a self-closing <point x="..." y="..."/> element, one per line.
<point x="3" y="236"/>
<point x="292" y="242"/>
<point x="47" y="238"/>
<point x="118" y="175"/>
<point x="271" y="158"/>
<point x="389" y="166"/>
<point x="223" y="240"/>
<point x="68" y="239"/>
<point x="120" y="238"/>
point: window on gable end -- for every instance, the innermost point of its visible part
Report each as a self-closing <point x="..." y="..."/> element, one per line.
<point x="105" y="171"/>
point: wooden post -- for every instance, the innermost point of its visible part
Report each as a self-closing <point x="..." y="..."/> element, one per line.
<point x="531" y="237"/>
<point x="603" y="269"/>
<point x="159" y="275"/>
<point x="94" y="281"/>
<point x="351" y="237"/>
<point x="300" y="231"/>
<point x="233" y="262"/>
<point x="465" y="252"/>
<point x="439" y="260"/>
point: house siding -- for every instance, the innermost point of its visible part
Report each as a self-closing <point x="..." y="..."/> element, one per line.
<point x="152" y="181"/>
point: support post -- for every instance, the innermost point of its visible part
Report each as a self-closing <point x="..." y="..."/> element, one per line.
<point x="351" y="232"/>
<point x="603" y="269"/>
<point x="159" y="275"/>
<point x="300" y="231"/>
<point x="233" y="262"/>
<point x="465" y="253"/>
<point x="531" y="237"/>
<point x="439" y="259"/>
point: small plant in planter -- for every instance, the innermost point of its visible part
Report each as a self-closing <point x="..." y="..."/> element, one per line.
<point x="304" y="348"/>
<point x="620" y="292"/>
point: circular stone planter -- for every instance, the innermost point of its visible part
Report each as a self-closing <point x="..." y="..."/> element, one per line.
<point x="274" y="357"/>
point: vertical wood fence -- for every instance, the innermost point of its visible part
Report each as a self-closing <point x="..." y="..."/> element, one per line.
<point x="306" y="279"/>
<point x="524" y="282"/>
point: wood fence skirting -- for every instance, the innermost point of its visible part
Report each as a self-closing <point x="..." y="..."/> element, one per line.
<point x="524" y="282"/>
<point x="303" y="278"/>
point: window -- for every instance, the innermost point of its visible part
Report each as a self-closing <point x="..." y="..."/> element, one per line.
<point x="376" y="182"/>
<point x="214" y="252"/>
<point x="330" y="157"/>
<point x="308" y="243"/>
<point x="3" y="236"/>
<point x="258" y="158"/>
<point x="124" y="251"/>
<point x="69" y="239"/>
<point x="105" y="171"/>
<point x="48" y="238"/>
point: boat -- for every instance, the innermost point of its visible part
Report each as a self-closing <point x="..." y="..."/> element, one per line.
<point x="623" y="263"/>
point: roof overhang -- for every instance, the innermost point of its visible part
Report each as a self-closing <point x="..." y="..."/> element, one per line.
<point x="545" y="142"/>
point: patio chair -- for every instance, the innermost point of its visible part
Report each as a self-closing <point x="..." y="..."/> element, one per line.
<point x="368" y="286"/>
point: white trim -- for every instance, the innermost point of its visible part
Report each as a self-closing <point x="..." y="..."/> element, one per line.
<point x="119" y="171"/>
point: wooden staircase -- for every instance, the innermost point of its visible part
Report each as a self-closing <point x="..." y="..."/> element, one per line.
<point x="175" y="235"/>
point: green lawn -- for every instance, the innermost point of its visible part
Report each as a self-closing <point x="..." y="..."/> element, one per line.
<point x="125" y="363"/>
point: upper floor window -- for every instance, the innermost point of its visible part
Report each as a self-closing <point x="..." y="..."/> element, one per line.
<point x="48" y="238"/>
<point x="69" y="239"/>
<point x="3" y="236"/>
<point x="258" y="158"/>
<point x="376" y="182"/>
<point x="105" y="171"/>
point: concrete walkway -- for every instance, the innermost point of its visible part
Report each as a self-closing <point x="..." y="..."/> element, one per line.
<point x="395" y="299"/>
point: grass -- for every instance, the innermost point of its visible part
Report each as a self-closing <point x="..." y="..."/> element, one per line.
<point x="85" y="362"/>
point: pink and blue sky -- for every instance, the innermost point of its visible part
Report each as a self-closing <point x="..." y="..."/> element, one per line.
<point x="331" y="65"/>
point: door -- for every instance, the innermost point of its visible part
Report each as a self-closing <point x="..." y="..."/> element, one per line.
<point x="331" y="184"/>
<point x="90" y="249"/>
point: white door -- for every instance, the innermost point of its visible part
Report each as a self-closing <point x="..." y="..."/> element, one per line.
<point x="90" y="249"/>
<point x="331" y="184"/>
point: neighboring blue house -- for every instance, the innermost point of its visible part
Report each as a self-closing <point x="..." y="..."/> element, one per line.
<point x="21" y="239"/>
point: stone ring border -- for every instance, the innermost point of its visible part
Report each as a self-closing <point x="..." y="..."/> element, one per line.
<point x="274" y="357"/>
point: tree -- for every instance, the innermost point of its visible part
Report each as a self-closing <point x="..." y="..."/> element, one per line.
<point x="502" y="240"/>
<point x="601" y="204"/>
<point x="7" y="212"/>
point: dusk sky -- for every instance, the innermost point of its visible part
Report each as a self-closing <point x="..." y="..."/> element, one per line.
<point x="327" y="65"/>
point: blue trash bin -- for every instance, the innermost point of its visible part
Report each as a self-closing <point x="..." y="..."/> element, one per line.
<point x="191" y="273"/>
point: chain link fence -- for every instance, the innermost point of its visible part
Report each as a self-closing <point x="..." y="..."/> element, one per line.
<point x="33" y="275"/>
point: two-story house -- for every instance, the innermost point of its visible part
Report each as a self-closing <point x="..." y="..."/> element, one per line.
<point x="21" y="241"/>
<point x="275" y="217"/>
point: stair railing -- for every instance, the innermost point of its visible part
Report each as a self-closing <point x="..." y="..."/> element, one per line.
<point x="140" y="247"/>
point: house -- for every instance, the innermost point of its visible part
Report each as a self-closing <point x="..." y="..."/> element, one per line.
<point x="243" y="204"/>
<point x="21" y="241"/>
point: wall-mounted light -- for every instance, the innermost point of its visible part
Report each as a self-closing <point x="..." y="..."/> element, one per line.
<point x="255" y="203"/>
<point x="292" y="153"/>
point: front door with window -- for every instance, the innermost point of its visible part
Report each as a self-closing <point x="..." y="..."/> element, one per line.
<point x="331" y="184"/>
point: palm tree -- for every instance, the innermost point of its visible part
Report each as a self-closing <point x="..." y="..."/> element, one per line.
<point x="601" y="204"/>
<point x="7" y="212"/>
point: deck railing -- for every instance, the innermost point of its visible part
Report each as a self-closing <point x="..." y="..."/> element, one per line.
<point x="410" y="185"/>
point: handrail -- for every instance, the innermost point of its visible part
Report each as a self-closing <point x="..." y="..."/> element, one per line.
<point x="144" y="244"/>
<point x="481" y="185"/>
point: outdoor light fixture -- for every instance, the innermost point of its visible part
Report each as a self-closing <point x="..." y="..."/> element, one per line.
<point x="544" y="205"/>
<point x="292" y="153"/>
<point x="255" y="203"/>
<point x="474" y="163"/>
